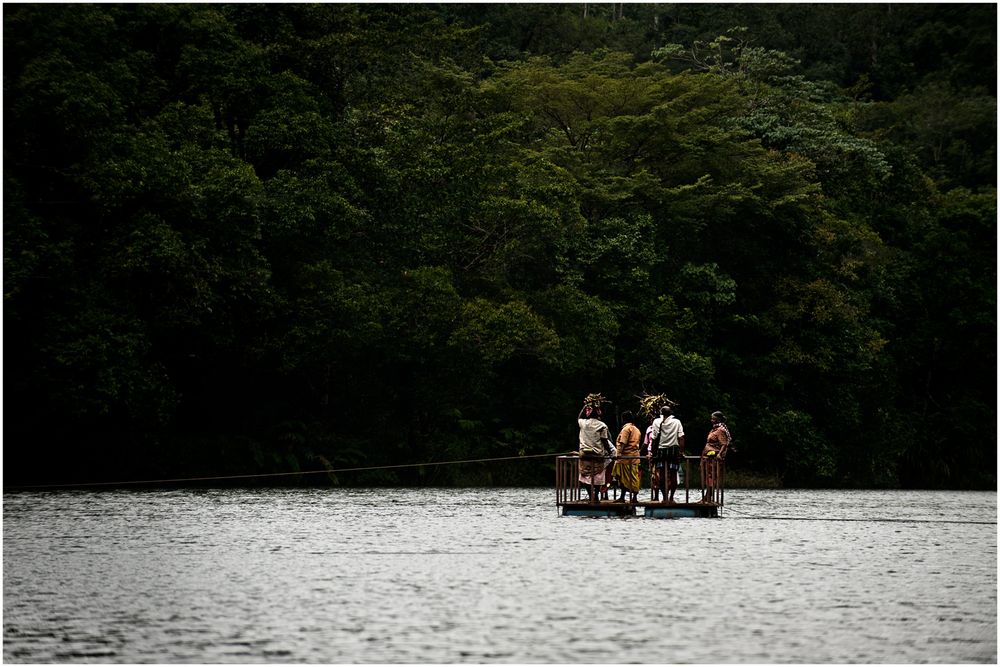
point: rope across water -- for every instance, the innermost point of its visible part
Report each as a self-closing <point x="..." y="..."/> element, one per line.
<point x="743" y="515"/>
<point x="325" y="471"/>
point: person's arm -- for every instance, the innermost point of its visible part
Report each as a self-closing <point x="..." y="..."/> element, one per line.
<point x="723" y="444"/>
<point x="629" y="434"/>
<point x="605" y="437"/>
<point x="680" y="441"/>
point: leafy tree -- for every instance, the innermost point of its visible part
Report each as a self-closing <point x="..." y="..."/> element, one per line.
<point x="256" y="238"/>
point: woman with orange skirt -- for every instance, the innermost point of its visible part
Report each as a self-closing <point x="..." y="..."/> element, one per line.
<point x="626" y="469"/>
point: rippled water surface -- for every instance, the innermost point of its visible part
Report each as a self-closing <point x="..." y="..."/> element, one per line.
<point x="476" y="575"/>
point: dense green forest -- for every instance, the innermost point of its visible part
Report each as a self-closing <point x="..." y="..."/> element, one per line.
<point x="265" y="238"/>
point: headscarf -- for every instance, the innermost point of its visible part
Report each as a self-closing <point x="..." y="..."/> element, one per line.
<point x="722" y="424"/>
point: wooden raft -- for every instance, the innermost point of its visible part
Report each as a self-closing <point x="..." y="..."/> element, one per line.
<point x="649" y="510"/>
<point x="571" y="498"/>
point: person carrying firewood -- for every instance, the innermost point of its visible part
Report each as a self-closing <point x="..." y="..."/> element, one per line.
<point x="595" y="441"/>
<point x="668" y="450"/>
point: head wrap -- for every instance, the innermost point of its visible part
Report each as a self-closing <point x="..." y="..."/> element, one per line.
<point x="725" y="429"/>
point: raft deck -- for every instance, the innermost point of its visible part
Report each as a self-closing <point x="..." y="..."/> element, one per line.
<point x="650" y="509"/>
<point x="572" y="500"/>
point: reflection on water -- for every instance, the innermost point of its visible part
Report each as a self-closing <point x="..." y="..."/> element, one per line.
<point x="476" y="575"/>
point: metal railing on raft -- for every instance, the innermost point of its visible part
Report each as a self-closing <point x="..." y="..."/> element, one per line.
<point x="711" y="478"/>
<point x="712" y="474"/>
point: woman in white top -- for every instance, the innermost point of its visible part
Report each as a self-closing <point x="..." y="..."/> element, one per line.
<point x="593" y="435"/>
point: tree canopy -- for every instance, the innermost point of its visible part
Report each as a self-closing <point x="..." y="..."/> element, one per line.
<point x="265" y="238"/>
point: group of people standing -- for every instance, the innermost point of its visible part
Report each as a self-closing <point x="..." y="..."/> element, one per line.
<point x="603" y="463"/>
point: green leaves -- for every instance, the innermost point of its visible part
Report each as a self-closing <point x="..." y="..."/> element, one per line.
<point x="499" y="332"/>
<point x="288" y="226"/>
<point x="809" y="458"/>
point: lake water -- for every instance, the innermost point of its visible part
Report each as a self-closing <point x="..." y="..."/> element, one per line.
<point x="495" y="575"/>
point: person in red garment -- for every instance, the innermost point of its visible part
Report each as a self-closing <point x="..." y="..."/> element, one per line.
<point x="716" y="446"/>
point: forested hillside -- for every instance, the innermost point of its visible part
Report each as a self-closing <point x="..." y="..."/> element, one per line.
<point x="266" y="238"/>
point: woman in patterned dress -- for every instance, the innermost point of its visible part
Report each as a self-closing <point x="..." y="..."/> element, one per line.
<point x="714" y="451"/>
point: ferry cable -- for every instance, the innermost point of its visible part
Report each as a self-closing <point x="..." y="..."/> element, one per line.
<point x="806" y="518"/>
<point x="743" y="515"/>
<point x="139" y="482"/>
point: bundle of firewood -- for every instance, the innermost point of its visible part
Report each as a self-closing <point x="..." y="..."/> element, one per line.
<point x="594" y="400"/>
<point x="650" y="404"/>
